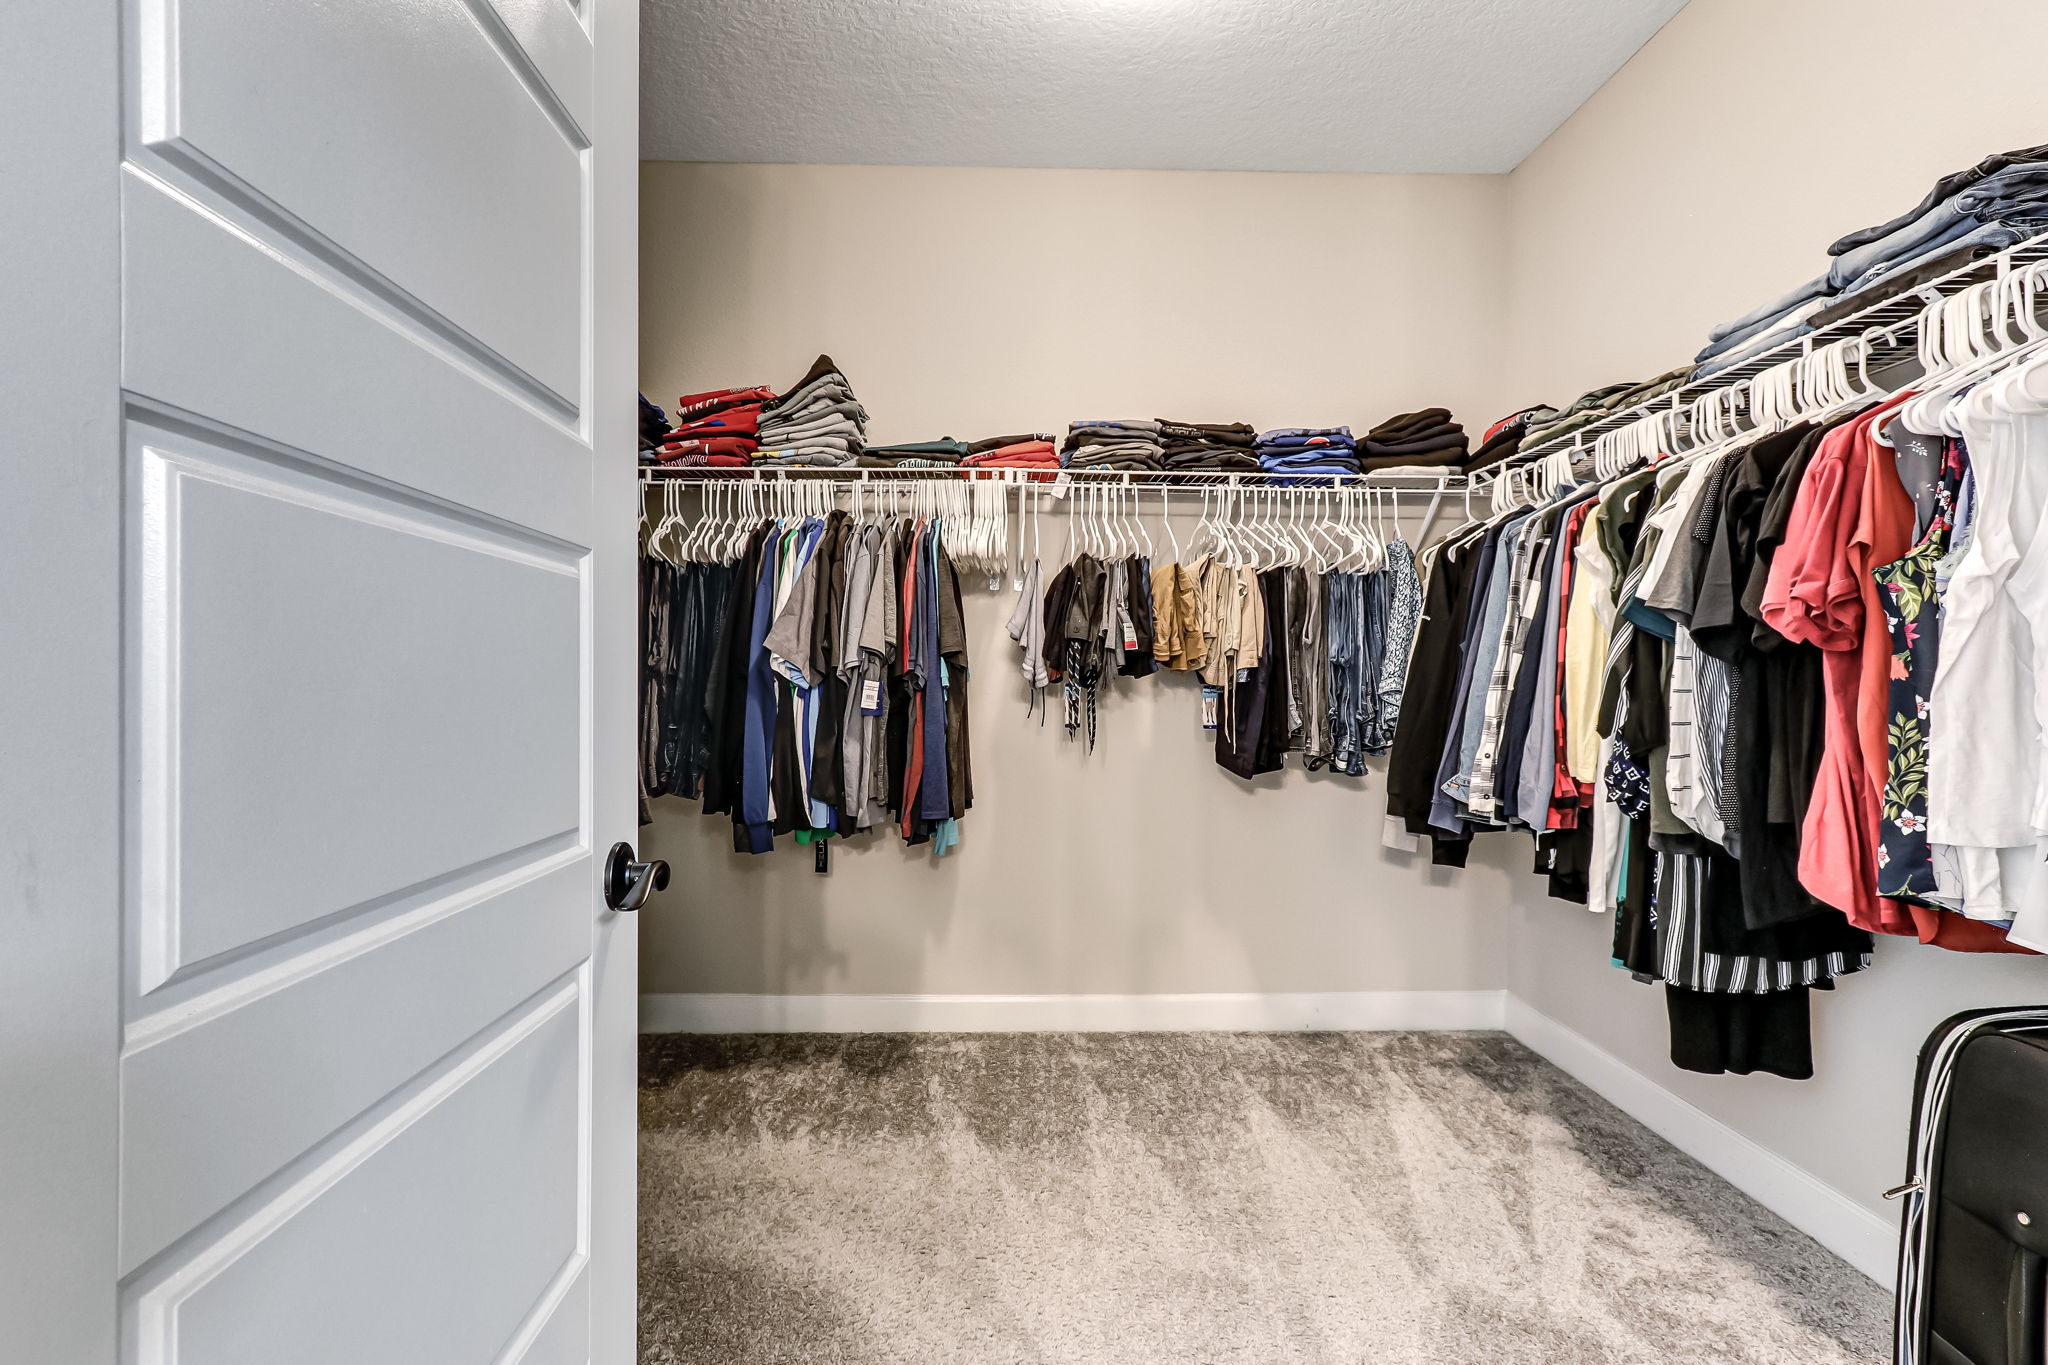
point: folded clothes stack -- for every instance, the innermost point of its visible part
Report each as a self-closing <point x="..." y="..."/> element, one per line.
<point x="1999" y="202"/>
<point x="1602" y="403"/>
<point x="1505" y="437"/>
<point x="1029" y="450"/>
<point x="1301" y="453"/>
<point x="1131" y="444"/>
<point x="1912" y="276"/>
<point x="1208" y="447"/>
<point x="943" y="453"/>
<point x="653" y="428"/>
<point x="1426" y="438"/>
<point x="819" y="422"/>
<point x="720" y="427"/>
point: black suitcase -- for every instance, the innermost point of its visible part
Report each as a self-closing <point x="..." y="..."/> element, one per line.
<point x="1973" y="1245"/>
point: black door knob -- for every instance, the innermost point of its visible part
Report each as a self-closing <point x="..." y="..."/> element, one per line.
<point x="628" y="884"/>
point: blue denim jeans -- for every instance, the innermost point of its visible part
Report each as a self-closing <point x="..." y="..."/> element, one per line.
<point x="2001" y="195"/>
<point x="1998" y="236"/>
<point x="1772" y="311"/>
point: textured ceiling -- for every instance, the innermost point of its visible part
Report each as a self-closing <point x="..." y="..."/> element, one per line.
<point x="1262" y="85"/>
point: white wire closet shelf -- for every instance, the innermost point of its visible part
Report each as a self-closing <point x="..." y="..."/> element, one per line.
<point x="1891" y="325"/>
<point x="1422" y="478"/>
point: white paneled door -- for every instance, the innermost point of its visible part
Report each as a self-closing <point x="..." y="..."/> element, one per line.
<point x="316" y="506"/>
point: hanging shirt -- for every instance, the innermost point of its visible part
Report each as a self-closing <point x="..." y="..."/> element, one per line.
<point x="935" y="801"/>
<point x="1178" y="643"/>
<point x="861" y="668"/>
<point x="754" y="831"/>
<point x="1397" y="642"/>
<point x="1589" y="623"/>
<point x="1852" y="514"/>
<point x="1027" y="628"/>
<point x="1568" y="796"/>
<point x="1906" y="864"/>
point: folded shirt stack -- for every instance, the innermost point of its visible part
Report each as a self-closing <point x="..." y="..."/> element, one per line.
<point x="720" y="427"/>
<point x="1602" y="403"/>
<point x="942" y="453"/>
<point x="1030" y="450"/>
<point x="1911" y="276"/>
<point x="1129" y="444"/>
<point x="1303" y="451"/>
<point x="819" y="422"/>
<point x="1207" y="447"/>
<point x="1505" y="437"/>
<point x="1426" y="438"/>
<point x="725" y="451"/>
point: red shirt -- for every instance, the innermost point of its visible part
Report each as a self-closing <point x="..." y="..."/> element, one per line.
<point x="1851" y="514"/>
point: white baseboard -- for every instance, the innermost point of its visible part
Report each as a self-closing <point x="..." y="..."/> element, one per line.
<point x="1248" y="1012"/>
<point x="1837" y="1222"/>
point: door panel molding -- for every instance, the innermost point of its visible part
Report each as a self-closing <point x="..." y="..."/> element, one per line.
<point x="229" y="338"/>
<point x="192" y="178"/>
<point x="365" y="1160"/>
<point x="544" y="45"/>
<point x="341" y="558"/>
<point x="223" y="165"/>
<point x="199" y="994"/>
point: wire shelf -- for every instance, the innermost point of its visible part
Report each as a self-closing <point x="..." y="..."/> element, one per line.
<point x="1423" y="478"/>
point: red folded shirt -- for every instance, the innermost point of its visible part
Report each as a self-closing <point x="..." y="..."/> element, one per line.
<point x="744" y="421"/>
<point x="697" y="404"/>
<point x="714" y="446"/>
<point x="1023" y="453"/>
<point x="729" y="461"/>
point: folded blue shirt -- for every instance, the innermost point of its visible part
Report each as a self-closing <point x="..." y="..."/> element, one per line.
<point x="1298" y="435"/>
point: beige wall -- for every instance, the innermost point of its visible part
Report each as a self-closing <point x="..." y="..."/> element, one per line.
<point x="1708" y="176"/>
<point x="971" y="302"/>
<point x="974" y="302"/>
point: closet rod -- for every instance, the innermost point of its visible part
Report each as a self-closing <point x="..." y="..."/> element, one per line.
<point x="1893" y="318"/>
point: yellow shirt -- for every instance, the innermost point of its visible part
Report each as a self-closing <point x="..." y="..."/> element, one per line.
<point x="1588" y="626"/>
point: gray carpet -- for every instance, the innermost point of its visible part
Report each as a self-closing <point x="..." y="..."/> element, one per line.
<point x="1392" y="1198"/>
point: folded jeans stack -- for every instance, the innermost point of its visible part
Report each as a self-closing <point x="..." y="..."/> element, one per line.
<point x="819" y="422"/>
<point x="1208" y="447"/>
<point x="1911" y="275"/>
<point x="2020" y="191"/>
<point x="1946" y="187"/>
<point x="1425" y="438"/>
<point x="1131" y="444"/>
<point x="718" y="427"/>
<point x="1999" y="202"/>
<point x="1302" y="453"/>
